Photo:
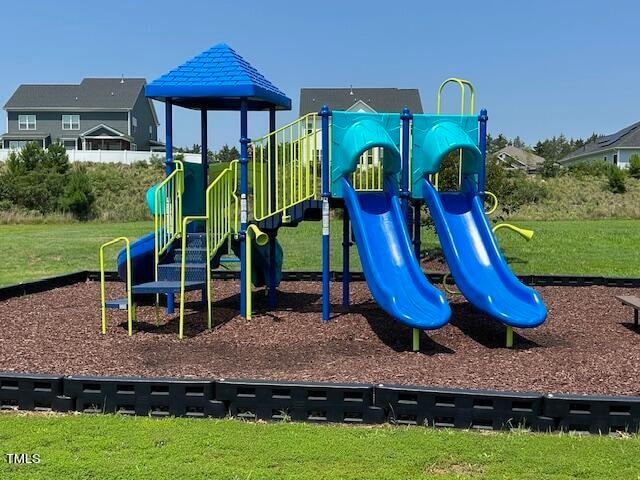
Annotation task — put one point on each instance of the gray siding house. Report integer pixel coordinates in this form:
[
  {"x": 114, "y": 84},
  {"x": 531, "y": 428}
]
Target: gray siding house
[
  {"x": 97, "y": 114},
  {"x": 616, "y": 148},
  {"x": 383, "y": 100}
]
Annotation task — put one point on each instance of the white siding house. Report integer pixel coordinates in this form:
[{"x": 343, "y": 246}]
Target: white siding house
[{"x": 616, "y": 148}]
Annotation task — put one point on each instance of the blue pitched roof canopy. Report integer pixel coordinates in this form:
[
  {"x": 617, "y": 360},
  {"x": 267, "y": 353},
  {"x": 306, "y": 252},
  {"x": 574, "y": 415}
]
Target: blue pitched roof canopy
[{"x": 218, "y": 79}]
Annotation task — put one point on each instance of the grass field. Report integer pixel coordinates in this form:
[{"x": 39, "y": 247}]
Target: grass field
[
  {"x": 585, "y": 247},
  {"x": 110, "y": 447}
]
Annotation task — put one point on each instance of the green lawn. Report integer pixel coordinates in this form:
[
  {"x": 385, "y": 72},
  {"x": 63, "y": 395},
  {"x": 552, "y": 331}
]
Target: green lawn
[
  {"x": 110, "y": 447},
  {"x": 585, "y": 247}
]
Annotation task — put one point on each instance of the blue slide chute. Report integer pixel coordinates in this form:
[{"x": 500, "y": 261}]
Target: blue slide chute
[
  {"x": 475, "y": 260},
  {"x": 392, "y": 271}
]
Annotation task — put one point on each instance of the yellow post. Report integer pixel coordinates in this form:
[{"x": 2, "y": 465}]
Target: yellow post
[
  {"x": 261, "y": 239},
  {"x": 130, "y": 306},
  {"x": 509, "y": 336},
  {"x": 416, "y": 340}
]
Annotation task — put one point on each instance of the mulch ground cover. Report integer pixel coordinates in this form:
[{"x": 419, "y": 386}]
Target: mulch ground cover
[{"x": 587, "y": 345}]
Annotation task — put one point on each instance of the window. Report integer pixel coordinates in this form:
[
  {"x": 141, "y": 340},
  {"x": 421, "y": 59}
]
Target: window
[
  {"x": 71, "y": 122},
  {"x": 150, "y": 131},
  {"x": 134, "y": 124},
  {"x": 17, "y": 144},
  {"x": 26, "y": 122},
  {"x": 615, "y": 159}
]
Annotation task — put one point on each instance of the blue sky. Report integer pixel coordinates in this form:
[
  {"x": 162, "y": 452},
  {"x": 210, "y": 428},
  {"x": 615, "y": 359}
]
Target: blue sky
[{"x": 541, "y": 68}]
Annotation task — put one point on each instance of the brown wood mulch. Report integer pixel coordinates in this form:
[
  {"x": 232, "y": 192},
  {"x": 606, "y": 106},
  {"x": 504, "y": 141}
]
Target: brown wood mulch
[{"x": 587, "y": 345}]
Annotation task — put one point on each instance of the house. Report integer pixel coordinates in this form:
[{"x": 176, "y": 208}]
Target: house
[
  {"x": 616, "y": 148},
  {"x": 390, "y": 100},
  {"x": 518, "y": 159},
  {"x": 97, "y": 114}
]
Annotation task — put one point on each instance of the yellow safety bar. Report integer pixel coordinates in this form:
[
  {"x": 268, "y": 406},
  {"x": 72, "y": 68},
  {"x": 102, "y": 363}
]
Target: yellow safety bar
[
  {"x": 284, "y": 167},
  {"x": 261, "y": 239},
  {"x": 168, "y": 210},
  {"x": 463, "y": 84},
  {"x": 494, "y": 207},
  {"x": 130, "y": 305},
  {"x": 221, "y": 221}
]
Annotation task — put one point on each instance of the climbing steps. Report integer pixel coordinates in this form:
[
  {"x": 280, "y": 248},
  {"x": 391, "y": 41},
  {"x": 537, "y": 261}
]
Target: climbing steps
[{"x": 169, "y": 270}]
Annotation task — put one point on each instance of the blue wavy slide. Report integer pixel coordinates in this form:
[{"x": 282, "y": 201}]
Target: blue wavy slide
[
  {"x": 475, "y": 260},
  {"x": 392, "y": 271}
]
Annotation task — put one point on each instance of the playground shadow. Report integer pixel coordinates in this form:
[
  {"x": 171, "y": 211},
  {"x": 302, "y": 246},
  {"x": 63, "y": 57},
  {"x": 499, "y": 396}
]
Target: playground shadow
[
  {"x": 286, "y": 302},
  {"x": 484, "y": 330},
  {"x": 631, "y": 327},
  {"x": 195, "y": 320},
  {"x": 395, "y": 336}
]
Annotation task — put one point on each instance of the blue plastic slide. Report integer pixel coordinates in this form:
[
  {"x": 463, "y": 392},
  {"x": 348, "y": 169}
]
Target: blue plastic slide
[
  {"x": 474, "y": 258},
  {"x": 393, "y": 274}
]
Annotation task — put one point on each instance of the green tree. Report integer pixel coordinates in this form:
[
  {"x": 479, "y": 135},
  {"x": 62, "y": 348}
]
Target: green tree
[
  {"x": 549, "y": 168},
  {"x": 227, "y": 154},
  {"x": 634, "y": 166}
]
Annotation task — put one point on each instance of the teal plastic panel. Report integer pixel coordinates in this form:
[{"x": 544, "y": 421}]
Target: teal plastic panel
[
  {"x": 434, "y": 137},
  {"x": 354, "y": 133}
]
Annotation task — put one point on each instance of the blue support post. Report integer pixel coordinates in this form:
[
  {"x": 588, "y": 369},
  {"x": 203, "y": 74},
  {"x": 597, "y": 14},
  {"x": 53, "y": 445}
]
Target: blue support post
[
  {"x": 168, "y": 137},
  {"x": 170, "y": 303},
  {"x": 204, "y": 147},
  {"x": 325, "y": 113},
  {"x": 204, "y": 154},
  {"x": 169, "y": 165},
  {"x": 272, "y": 200},
  {"x": 417, "y": 208},
  {"x": 346, "y": 243},
  {"x": 244, "y": 190},
  {"x": 405, "y": 117},
  {"x": 482, "y": 144}
]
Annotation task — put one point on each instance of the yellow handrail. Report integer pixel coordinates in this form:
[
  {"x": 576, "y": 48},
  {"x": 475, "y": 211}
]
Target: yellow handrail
[
  {"x": 284, "y": 167},
  {"x": 168, "y": 211},
  {"x": 462, "y": 83},
  {"x": 368, "y": 173},
  {"x": 221, "y": 221},
  {"x": 472, "y": 102},
  {"x": 261, "y": 239},
  {"x": 130, "y": 306}
]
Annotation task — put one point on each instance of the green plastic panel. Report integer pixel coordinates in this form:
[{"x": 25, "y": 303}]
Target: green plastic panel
[
  {"x": 353, "y": 133},
  {"x": 434, "y": 137}
]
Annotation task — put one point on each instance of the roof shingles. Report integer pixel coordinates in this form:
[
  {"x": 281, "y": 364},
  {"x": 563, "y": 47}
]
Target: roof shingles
[{"x": 102, "y": 93}]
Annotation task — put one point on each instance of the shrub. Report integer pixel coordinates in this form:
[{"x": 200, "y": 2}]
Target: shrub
[
  {"x": 634, "y": 166},
  {"x": 78, "y": 197},
  {"x": 615, "y": 181},
  {"x": 37, "y": 180},
  {"x": 593, "y": 168}
]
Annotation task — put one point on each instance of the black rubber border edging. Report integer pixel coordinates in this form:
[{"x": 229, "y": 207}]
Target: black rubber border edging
[{"x": 320, "y": 403}]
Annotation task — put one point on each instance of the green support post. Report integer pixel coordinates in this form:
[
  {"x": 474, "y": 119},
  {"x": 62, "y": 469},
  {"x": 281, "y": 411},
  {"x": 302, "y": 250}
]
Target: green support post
[
  {"x": 509, "y": 336},
  {"x": 416, "y": 340}
]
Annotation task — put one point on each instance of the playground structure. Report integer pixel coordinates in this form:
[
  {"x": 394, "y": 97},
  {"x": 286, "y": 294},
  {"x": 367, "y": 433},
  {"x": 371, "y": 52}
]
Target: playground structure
[{"x": 299, "y": 172}]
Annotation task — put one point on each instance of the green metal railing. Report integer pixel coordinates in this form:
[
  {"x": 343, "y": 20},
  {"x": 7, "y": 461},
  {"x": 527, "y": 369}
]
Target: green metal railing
[
  {"x": 130, "y": 304},
  {"x": 284, "y": 167},
  {"x": 221, "y": 222},
  {"x": 168, "y": 211}
]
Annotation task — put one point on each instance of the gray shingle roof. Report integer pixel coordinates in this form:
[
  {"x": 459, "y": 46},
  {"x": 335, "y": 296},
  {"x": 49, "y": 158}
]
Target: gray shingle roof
[
  {"x": 627, "y": 137},
  {"x": 527, "y": 159},
  {"x": 102, "y": 93},
  {"x": 380, "y": 99}
]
